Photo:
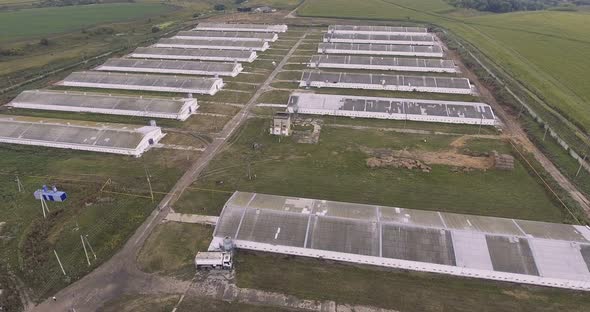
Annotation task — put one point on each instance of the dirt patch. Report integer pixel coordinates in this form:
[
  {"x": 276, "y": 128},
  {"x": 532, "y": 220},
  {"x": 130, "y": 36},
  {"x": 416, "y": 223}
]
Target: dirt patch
[
  {"x": 307, "y": 131},
  {"x": 422, "y": 159},
  {"x": 397, "y": 162}
]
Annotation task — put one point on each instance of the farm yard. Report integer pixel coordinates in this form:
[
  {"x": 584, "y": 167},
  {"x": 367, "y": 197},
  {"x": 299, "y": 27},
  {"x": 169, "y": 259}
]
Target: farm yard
[{"x": 217, "y": 142}]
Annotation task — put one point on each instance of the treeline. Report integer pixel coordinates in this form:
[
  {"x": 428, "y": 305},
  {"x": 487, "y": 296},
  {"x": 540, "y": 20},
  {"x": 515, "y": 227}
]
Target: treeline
[{"x": 503, "y": 6}]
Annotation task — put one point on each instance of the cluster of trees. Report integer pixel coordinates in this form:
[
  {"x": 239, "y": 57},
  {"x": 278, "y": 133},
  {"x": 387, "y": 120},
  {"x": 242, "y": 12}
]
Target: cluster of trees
[{"x": 503, "y": 6}]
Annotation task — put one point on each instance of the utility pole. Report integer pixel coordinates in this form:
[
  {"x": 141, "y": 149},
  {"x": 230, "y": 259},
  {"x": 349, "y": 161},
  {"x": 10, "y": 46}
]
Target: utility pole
[
  {"x": 44, "y": 207},
  {"x": 90, "y": 246},
  {"x": 580, "y": 168},
  {"x": 19, "y": 185},
  {"x": 85, "y": 252},
  {"x": 58, "y": 261},
  {"x": 147, "y": 175}
]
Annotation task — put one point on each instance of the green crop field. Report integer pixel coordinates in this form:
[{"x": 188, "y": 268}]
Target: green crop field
[
  {"x": 546, "y": 50},
  {"x": 34, "y": 23}
]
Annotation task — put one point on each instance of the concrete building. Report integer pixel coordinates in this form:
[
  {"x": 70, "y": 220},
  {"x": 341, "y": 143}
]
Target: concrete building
[
  {"x": 160, "y": 83},
  {"x": 242, "y": 27},
  {"x": 281, "y": 124},
  {"x": 227, "y": 35},
  {"x": 506, "y": 250},
  {"x": 194, "y": 54},
  {"x": 380, "y": 49},
  {"x": 449, "y": 85},
  {"x": 425, "y": 39},
  {"x": 471, "y": 113},
  {"x": 376, "y": 30},
  {"x": 212, "y": 44},
  {"x": 78, "y": 135},
  {"x": 99, "y": 103},
  {"x": 171, "y": 67},
  {"x": 383, "y": 63}
]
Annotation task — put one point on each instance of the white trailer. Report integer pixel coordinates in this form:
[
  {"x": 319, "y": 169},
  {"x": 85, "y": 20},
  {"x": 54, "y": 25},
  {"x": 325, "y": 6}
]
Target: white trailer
[{"x": 206, "y": 260}]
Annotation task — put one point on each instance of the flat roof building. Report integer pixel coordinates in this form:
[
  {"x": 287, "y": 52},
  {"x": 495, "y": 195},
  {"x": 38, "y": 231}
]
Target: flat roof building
[
  {"x": 241, "y": 27},
  {"x": 142, "y": 82},
  {"x": 227, "y": 35},
  {"x": 383, "y": 63},
  {"x": 194, "y": 54},
  {"x": 450, "y": 85},
  {"x": 380, "y": 49},
  {"x": 391, "y": 108},
  {"x": 100, "y": 103},
  {"x": 425, "y": 39},
  {"x": 509, "y": 250},
  {"x": 171, "y": 67},
  {"x": 212, "y": 44},
  {"x": 376, "y": 30},
  {"x": 78, "y": 135}
]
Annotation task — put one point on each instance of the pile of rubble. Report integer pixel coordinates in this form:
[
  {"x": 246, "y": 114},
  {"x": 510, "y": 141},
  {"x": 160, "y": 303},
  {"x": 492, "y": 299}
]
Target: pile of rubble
[
  {"x": 397, "y": 162},
  {"x": 503, "y": 161}
]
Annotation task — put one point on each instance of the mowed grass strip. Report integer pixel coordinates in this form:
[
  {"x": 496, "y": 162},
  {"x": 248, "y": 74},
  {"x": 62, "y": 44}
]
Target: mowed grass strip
[
  {"x": 39, "y": 22},
  {"x": 393, "y": 289}
]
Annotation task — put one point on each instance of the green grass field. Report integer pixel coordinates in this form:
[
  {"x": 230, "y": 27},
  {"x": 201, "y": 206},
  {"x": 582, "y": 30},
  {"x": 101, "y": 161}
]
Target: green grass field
[
  {"x": 399, "y": 290},
  {"x": 27, "y": 240},
  {"x": 47, "y": 21},
  {"x": 546, "y": 50},
  {"x": 292, "y": 169}
]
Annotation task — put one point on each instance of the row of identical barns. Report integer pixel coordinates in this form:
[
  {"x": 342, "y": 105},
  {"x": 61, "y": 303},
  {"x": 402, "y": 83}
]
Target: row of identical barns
[
  {"x": 376, "y": 59},
  {"x": 162, "y": 81}
]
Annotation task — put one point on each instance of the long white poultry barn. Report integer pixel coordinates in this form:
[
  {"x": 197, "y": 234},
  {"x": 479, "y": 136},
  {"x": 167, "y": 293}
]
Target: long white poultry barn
[
  {"x": 383, "y": 63},
  {"x": 242, "y": 27},
  {"x": 227, "y": 35},
  {"x": 499, "y": 249},
  {"x": 470, "y": 113},
  {"x": 101, "y": 137},
  {"x": 143, "y": 82},
  {"x": 425, "y": 39},
  {"x": 380, "y": 49},
  {"x": 171, "y": 67},
  {"x": 448, "y": 85},
  {"x": 100, "y": 103},
  {"x": 194, "y": 54},
  {"x": 212, "y": 44},
  {"x": 376, "y": 30}
]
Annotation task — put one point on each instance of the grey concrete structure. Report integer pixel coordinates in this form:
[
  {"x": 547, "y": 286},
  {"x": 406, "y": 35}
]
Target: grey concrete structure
[
  {"x": 430, "y": 241},
  {"x": 212, "y": 44},
  {"x": 425, "y": 39},
  {"x": 382, "y": 30},
  {"x": 78, "y": 135},
  {"x": 320, "y": 79},
  {"x": 101, "y": 103},
  {"x": 227, "y": 35},
  {"x": 380, "y": 49},
  {"x": 391, "y": 108},
  {"x": 160, "y": 83},
  {"x": 194, "y": 54},
  {"x": 241, "y": 27},
  {"x": 383, "y": 63},
  {"x": 171, "y": 67}
]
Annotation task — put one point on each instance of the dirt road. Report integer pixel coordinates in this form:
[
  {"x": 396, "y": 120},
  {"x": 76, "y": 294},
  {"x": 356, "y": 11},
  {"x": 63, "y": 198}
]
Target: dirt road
[{"x": 120, "y": 275}]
